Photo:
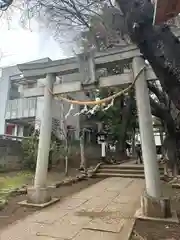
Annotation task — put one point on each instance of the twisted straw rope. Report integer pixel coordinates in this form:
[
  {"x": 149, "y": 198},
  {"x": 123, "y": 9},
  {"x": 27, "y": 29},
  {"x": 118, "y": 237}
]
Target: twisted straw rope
[{"x": 104, "y": 100}]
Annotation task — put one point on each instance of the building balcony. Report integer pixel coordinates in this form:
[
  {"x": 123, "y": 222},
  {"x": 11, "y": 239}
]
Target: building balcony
[{"x": 21, "y": 108}]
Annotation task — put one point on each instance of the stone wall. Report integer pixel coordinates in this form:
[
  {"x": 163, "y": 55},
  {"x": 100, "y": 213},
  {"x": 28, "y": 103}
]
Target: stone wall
[
  {"x": 92, "y": 154},
  {"x": 10, "y": 155}
]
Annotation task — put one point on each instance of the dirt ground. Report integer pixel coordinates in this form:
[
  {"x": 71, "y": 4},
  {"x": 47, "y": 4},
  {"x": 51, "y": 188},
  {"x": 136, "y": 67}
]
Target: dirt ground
[
  {"x": 13, "y": 212},
  {"x": 152, "y": 230}
]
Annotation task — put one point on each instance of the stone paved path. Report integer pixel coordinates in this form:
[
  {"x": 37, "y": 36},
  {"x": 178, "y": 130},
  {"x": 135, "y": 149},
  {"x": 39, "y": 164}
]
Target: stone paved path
[{"x": 103, "y": 211}]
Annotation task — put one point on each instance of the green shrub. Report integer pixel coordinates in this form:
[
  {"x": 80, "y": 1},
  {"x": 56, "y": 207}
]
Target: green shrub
[
  {"x": 30, "y": 150},
  {"x": 58, "y": 148}
]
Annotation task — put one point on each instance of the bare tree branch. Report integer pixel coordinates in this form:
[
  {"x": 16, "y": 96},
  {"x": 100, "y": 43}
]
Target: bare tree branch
[
  {"x": 159, "y": 111},
  {"x": 159, "y": 94},
  {"x": 69, "y": 18},
  {"x": 4, "y": 4}
]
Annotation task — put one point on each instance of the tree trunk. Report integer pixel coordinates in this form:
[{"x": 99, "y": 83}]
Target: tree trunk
[
  {"x": 169, "y": 146},
  {"x": 157, "y": 43},
  {"x": 66, "y": 152},
  {"x": 66, "y": 157},
  {"x": 66, "y": 165},
  {"x": 83, "y": 159},
  {"x": 169, "y": 149},
  {"x": 161, "y": 135},
  {"x": 126, "y": 117}
]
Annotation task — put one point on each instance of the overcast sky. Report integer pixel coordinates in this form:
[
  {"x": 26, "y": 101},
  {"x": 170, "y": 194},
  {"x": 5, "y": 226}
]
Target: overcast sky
[{"x": 18, "y": 44}]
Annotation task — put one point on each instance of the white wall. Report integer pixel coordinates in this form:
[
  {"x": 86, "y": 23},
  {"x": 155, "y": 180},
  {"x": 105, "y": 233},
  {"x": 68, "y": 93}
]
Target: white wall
[
  {"x": 156, "y": 138},
  {"x": 4, "y": 93}
]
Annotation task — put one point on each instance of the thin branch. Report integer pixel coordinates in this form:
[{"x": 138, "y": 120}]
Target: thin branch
[
  {"x": 162, "y": 113},
  {"x": 76, "y": 16},
  {"x": 4, "y": 4},
  {"x": 159, "y": 94}
]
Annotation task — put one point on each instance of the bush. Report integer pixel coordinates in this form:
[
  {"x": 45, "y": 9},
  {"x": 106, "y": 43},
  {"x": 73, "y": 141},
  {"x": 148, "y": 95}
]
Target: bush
[
  {"x": 58, "y": 150},
  {"x": 30, "y": 150}
]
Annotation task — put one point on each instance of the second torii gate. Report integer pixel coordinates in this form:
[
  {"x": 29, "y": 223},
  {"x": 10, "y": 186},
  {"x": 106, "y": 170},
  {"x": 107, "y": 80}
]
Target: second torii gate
[{"x": 153, "y": 205}]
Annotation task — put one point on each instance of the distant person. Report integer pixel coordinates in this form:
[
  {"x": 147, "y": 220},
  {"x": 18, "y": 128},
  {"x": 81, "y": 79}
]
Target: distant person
[
  {"x": 138, "y": 153},
  {"x": 128, "y": 149},
  {"x": 112, "y": 149},
  {"x": 50, "y": 160}
]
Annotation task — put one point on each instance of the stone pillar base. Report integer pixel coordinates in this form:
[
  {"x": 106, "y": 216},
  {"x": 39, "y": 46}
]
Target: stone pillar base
[
  {"x": 156, "y": 207},
  {"x": 38, "y": 195}
]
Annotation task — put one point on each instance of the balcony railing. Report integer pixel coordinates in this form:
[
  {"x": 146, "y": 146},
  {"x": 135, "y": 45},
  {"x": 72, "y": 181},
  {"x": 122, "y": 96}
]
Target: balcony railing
[{"x": 21, "y": 108}]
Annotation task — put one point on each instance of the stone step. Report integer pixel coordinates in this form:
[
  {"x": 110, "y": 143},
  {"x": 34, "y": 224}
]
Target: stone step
[
  {"x": 122, "y": 166},
  {"x": 105, "y": 175},
  {"x": 124, "y": 171}
]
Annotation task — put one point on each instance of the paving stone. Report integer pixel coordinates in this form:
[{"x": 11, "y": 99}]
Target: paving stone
[
  {"x": 48, "y": 217},
  {"x": 96, "y": 235},
  {"x": 94, "y": 204},
  {"x": 61, "y": 231},
  {"x": 66, "y": 228},
  {"x": 118, "y": 186},
  {"x": 123, "y": 199},
  {"x": 134, "y": 189},
  {"x": 107, "y": 206},
  {"x": 121, "y": 212},
  {"x": 75, "y": 220},
  {"x": 82, "y": 195},
  {"x": 107, "y": 223},
  {"x": 90, "y": 193},
  {"x": 43, "y": 238},
  {"x": 71, "y": 203},
  {"x": 114, "y": 206},
  {"x": 21, "y": 231}
]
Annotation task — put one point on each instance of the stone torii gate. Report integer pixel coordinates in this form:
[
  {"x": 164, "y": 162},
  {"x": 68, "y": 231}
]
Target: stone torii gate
[{"x": 153, "y": 205}]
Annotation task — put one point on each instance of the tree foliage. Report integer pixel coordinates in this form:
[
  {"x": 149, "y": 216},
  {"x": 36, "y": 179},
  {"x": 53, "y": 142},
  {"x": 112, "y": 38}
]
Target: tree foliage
[
  {"x": 163, "y": 108},
  {"x": 120, "y": 119},
  {"x": 5, "y": 4},
  {"x": 107, "y": 30},
  {"x": 77, "y": 20},
  {"x": 30, "y": 150},
  {"x": 65, "y": 16},
  {"x": 157, "y": 43}
]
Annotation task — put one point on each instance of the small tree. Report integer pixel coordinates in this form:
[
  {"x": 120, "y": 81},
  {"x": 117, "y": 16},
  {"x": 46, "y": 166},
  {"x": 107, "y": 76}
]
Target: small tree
[
  {"x": 62, "y": 131},
  {"x": 30, "y": 150},
  {"x": 83, "y": 158}
]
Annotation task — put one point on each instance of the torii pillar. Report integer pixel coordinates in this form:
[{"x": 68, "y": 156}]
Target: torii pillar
[
  {"x": 152, "y": 202},
  {"x": 39, "y": 193}
]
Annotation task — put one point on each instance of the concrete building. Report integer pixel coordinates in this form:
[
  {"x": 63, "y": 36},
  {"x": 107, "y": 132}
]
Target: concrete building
[{"x": 17, "y": 114}]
